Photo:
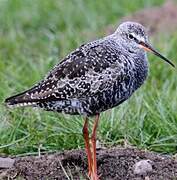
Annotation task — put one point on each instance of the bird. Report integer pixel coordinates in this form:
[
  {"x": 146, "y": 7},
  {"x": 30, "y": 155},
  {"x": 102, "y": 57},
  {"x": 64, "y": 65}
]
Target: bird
[{"x": 93, "y": 78}]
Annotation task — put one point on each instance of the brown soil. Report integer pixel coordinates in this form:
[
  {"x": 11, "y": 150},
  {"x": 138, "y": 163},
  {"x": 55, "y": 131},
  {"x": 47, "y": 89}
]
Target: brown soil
[{"x": 115, "y": 163}]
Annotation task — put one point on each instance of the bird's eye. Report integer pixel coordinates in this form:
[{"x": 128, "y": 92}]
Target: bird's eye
[{"x": 130, "y": 36}]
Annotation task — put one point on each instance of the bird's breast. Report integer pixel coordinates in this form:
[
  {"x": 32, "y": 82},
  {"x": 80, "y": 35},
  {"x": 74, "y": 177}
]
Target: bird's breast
[{"x": 124, "y": 80}]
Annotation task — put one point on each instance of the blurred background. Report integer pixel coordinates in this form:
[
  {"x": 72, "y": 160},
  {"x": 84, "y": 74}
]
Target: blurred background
[{"x": 35, "y": 35}]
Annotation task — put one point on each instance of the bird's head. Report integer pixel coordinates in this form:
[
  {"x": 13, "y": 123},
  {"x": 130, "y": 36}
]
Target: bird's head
[{"x": 134, "y": 38}]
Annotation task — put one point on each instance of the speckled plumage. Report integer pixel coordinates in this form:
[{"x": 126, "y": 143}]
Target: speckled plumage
[{"x": 95, "y": 77}]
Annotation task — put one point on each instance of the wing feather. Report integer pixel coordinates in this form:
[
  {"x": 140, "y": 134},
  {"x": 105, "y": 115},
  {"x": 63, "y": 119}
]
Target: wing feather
[{"x": 87, "y": 70}]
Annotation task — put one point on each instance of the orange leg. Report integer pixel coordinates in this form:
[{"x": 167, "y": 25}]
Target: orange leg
[
  {"x": 87, "y": 146},
  {"x": 93, "y": 143}
]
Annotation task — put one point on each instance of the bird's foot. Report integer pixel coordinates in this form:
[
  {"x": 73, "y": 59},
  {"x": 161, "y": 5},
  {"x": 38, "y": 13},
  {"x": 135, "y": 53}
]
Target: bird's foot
[{"x": 94, "y": 176}]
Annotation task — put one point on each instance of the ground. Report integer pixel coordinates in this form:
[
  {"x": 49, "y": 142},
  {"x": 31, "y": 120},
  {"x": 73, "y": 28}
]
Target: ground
[{"x": 115, "y": 163}]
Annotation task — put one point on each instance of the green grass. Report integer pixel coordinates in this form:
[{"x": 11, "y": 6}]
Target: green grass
[{"x": 35, "y": 35}]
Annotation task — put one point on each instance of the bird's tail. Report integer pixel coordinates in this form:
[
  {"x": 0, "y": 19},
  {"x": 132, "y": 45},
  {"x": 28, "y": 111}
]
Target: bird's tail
[{"x": 22, "y": 99}]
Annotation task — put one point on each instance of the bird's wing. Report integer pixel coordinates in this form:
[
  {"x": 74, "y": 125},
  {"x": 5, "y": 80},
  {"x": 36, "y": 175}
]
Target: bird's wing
[{"x": 84, "y": 72}]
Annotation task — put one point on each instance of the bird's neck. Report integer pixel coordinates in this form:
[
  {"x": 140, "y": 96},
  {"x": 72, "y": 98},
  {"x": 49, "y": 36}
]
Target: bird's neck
[
  {"x": 138, "y": 58},
  {"x": 141, "y": 68}
]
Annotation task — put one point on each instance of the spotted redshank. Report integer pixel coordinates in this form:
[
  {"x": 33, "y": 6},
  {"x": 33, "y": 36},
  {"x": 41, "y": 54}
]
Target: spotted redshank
[{"x": 97, "y": 76}]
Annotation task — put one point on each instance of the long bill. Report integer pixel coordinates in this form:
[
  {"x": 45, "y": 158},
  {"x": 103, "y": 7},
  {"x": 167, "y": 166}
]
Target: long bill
[{"x": 149, "y": 48}]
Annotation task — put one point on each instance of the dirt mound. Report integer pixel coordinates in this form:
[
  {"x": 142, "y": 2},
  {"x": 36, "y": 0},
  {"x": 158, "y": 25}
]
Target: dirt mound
[
  {"x": 157, "y": 19},
  {"x": 115, "y": 163}
]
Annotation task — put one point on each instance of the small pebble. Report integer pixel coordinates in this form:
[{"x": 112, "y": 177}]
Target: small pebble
[
  {"x": 6, "y": 162},
  {"x": 143, "y": 167}
]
